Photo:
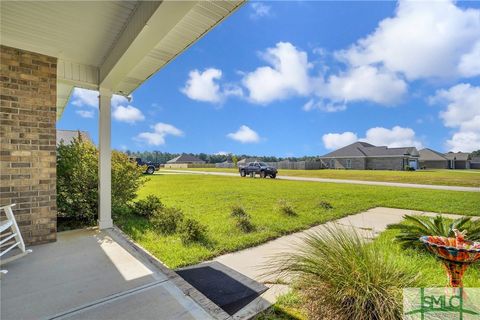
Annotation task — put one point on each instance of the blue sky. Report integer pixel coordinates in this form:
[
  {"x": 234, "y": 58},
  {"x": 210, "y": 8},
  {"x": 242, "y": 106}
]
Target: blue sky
[{"x": 302, "y": 78}]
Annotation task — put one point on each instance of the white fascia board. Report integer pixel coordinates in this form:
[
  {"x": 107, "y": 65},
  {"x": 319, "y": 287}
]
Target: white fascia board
[{"x": 148, "y": 25}]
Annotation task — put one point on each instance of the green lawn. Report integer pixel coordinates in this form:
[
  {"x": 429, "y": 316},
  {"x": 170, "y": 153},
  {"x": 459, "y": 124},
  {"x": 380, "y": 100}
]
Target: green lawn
[
  {"x": 467, "y": 178},
  {"x": 209, "y": 200}
]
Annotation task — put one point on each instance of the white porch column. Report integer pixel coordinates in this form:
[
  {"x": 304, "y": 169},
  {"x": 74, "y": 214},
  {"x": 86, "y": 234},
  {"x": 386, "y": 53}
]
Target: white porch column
[{"x": 104, "y": 163}]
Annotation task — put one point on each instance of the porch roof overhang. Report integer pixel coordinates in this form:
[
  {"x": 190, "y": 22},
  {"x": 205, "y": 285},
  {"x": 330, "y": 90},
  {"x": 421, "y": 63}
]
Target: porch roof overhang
[{"x": 109, "y": 44}]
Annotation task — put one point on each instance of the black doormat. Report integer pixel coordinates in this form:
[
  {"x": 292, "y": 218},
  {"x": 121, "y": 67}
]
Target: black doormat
[{"x": 227, "y": 288}]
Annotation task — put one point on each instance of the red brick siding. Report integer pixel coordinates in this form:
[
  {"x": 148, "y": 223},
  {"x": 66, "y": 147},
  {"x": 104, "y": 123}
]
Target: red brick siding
[{"x": 28, "y": 141}]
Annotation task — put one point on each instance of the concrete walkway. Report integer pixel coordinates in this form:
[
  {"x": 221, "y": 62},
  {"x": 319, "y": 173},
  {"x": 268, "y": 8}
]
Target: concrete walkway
[
  {"x": 254, "y": 262},
  {"x": 363, "y": 182}
]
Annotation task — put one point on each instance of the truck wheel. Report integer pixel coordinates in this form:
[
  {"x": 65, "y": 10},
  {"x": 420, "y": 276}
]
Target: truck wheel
[
  {"x": 243, "y": 173},
  {"x": 263, "y": 174},
  {"x": 273, "y": 176},
  {"x": 150, "y": 170}
]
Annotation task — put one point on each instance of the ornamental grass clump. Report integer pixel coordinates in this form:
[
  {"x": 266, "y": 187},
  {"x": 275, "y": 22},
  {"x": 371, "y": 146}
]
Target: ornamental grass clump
[
  {"x": 286, "y": 208},
  {"x": 344, "y": 277},
  {"x": 238, "y": 212}
]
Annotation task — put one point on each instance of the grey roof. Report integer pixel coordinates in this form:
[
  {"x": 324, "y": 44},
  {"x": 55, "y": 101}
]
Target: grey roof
[
  {"x": 67, "y": 136},
  {"x": 476, "y": 159},
  {"x": 185, "y": 158},
  {"x": 462, "y": 156},
  {"x": 431, "y": 155},
  {"x": 361, "y": 149}
]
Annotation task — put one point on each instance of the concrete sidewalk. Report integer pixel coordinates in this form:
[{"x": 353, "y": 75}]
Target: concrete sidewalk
[{"x": 362, "y": 182}]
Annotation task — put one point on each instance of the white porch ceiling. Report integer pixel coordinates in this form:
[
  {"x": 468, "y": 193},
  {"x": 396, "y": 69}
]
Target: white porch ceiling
[{"x": 113, "y": 44}]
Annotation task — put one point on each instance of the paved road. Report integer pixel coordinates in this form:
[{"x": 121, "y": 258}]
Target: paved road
[{"x": 371, "y": 183}]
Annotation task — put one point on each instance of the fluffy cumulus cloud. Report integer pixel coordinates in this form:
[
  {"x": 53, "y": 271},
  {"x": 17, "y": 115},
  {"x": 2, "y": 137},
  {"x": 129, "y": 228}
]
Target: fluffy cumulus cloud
[
  {"x": 160, "y": 132},
  {"x": 244, "y": 135},
  {"x": 259, "y": 10},
  {"x": 285, "y": 76},
  {"x": 84, "y": 97},
  {"x": 127, "y": 114},
  {"x": 462, "y": 113},
  {"x": 333, "y": 141},
  {"x": 85, "y": 113},
  {"x": 366, "y": 83},
  {"x": 423, "y": 40},
  {"x": 204, "y": 86},
  {"x": 392, "y": 138},
  {"x": 121, "y": 110}
]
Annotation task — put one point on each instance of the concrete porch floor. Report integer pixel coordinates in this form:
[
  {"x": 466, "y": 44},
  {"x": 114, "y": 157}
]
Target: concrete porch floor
[{"x": 87, "y": 274}]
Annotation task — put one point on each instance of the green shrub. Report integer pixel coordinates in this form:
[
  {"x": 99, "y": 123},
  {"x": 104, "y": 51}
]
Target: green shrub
[
  {"x": 347, "y": 278},
  {"x": 167, "y": 220},
  {"x": 286, "y": 208},
  {"x": 192, "y": 231},
  {"x": 238, "y": 212},
  {"x": 325, "y": 205},
  {"x": 244, "y": 224},
  {"x": 77, "y": 181},
  {"x": 415, "y": 226},
  {"x": 149, "y": 206}
]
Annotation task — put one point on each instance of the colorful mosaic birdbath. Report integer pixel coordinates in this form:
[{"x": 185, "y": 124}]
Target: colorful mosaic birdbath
[{"x": 455, "y": 253}]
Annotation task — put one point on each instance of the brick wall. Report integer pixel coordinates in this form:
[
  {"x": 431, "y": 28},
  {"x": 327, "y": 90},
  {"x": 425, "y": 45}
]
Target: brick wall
[{"x": 28, "y": 141}]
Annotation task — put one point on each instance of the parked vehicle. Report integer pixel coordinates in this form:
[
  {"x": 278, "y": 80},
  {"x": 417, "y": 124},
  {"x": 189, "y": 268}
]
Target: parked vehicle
[
  {"x": 260, "y": 168},
  {"x": 151, "y": 167}
]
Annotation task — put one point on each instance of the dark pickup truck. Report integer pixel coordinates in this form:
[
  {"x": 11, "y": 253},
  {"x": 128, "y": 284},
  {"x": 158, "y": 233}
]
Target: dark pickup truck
[
  {"x": 261, "y": 168},
  {"x": 151, "y": 167}
]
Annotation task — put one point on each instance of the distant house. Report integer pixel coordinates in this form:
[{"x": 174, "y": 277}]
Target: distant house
[
  {"x": 245, "y": 161},
  {"x": 67, "y": 136},
  {"x": 458, "y": 160},
  {"x": 475, "y": 163},
  {"x": 365, "y": 156},
  {"x": 186, "y": 159},
  {"x": 431, "y": 159}
]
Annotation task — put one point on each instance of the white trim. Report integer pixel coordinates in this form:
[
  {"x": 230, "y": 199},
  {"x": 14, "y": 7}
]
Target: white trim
[{"x": 104, "y": 160}]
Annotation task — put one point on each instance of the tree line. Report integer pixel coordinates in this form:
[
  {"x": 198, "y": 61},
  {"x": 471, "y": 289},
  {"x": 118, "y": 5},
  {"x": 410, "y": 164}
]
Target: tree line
[{"x": 163, "y": 157}]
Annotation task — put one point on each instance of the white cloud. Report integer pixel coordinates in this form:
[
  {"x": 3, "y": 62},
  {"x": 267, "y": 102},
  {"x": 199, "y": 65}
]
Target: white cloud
[
  {"x": 463, "y": 114},
  {"x": 83, "y": 97},
  {"x": 160, "y": 131},
  {"x": 222, "y": 153},
  {"x": 470, "y": 62},
  {"x": 259, "y": 10},
  {"x": 85, "y": 113},
  {"x": 392, "y": 138},
  {"x": 324, "y": 105},
  {"x": 244, "y": 135},
  {"x": 333, "y": 141},
  {"x": 127, "y": 114},
  {"x": 366, "y": 83},
  {"x": 424, "y": 39},
  {"x": 286, "y": 76},
  {"x": 202, "y": 86}
]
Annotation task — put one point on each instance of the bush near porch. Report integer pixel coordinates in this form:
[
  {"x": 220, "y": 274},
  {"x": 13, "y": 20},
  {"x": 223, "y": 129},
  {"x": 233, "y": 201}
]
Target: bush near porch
[
  {"x": 210, "y": 199},
  {"x": 77, "y": 183}
]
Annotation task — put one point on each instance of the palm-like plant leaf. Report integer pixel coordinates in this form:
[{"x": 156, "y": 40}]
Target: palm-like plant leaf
[{"x": 416, "y": 226}]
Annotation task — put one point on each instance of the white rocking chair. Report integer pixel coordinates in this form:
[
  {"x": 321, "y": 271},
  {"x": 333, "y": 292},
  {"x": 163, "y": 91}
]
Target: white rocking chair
[{"x": 10, "y": 239}]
